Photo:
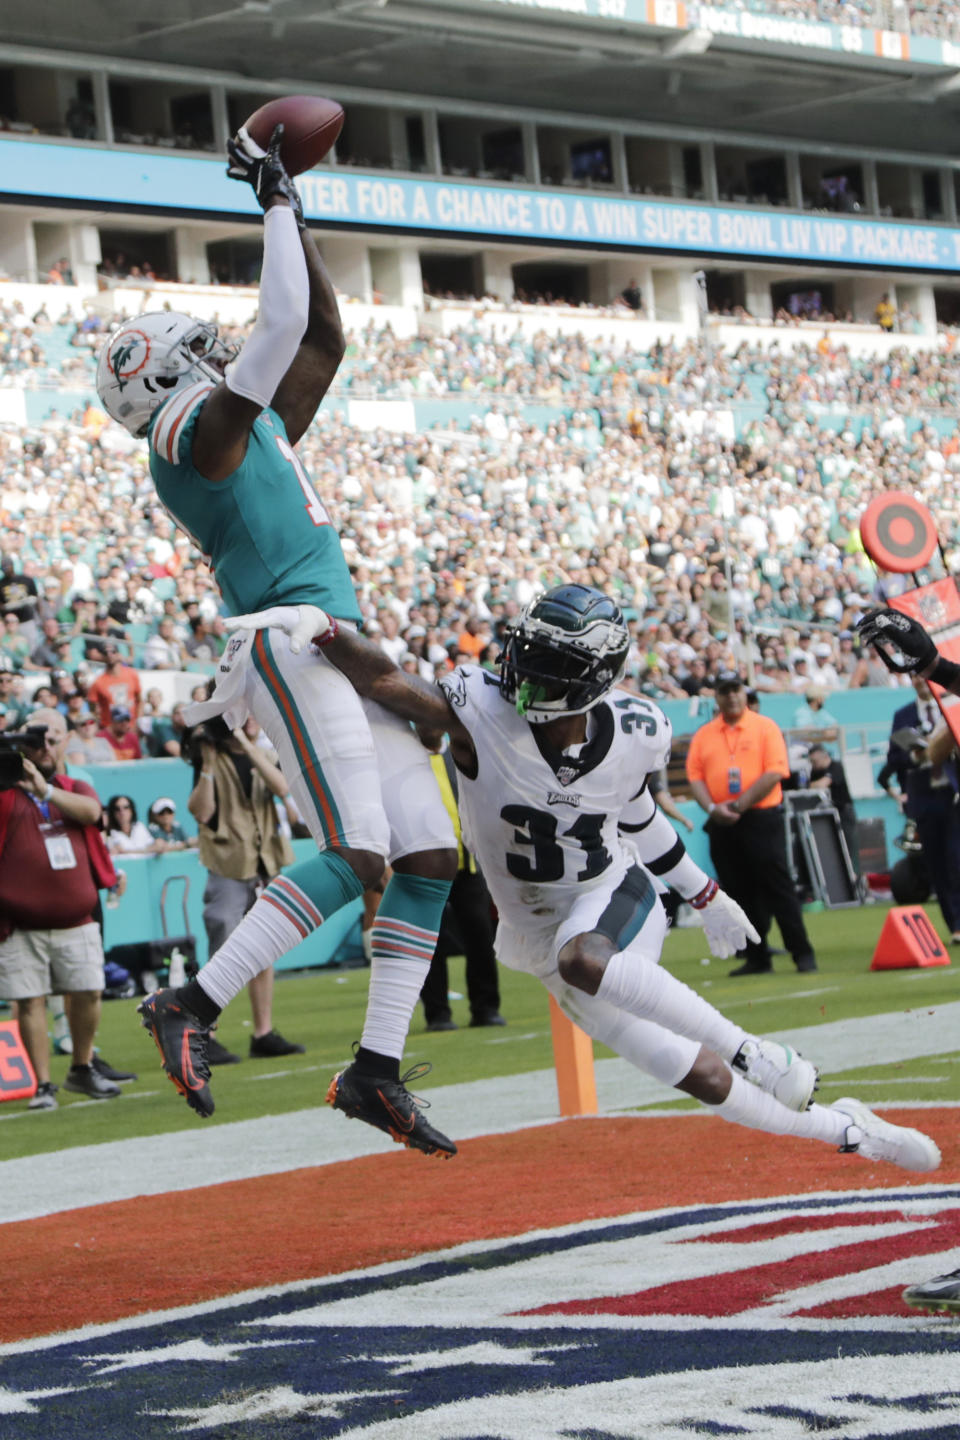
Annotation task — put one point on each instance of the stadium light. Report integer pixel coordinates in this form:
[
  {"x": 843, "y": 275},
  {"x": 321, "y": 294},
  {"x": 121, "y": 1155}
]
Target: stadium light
[
  {"x": 691, "y": 42},
  {"x": 948, "y": 86}
]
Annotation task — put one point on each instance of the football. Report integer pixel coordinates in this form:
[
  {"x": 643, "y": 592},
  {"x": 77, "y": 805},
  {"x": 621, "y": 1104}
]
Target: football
[{"x": 310, "y": 128}]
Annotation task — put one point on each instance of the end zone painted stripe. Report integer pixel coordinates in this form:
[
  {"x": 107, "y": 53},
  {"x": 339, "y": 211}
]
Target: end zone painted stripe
[{"x": 102, "y": 1263}]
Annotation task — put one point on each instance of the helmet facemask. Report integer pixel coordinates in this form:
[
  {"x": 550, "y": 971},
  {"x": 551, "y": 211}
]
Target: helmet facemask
[{"x": 546, "y": 672}]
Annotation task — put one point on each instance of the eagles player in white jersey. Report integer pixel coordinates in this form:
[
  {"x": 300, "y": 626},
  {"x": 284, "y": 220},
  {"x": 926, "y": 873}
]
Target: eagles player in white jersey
[{"x": 553, "y": 761}]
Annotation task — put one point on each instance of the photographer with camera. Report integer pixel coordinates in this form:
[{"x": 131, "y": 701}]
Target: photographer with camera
[
  {"x": 242, "y": 849},
  {"x": 52, "y": 863}
]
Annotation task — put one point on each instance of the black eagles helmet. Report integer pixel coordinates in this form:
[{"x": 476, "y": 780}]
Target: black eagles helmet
[{"x": 567, "y": 650}]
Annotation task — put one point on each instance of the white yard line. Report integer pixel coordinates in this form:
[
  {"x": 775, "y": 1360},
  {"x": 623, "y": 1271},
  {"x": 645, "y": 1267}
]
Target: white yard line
[{"x": 199, "y": 1156}]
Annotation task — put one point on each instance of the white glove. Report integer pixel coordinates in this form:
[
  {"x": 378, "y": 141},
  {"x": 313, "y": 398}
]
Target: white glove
[
  {"x": 725, "y": 924},
  {"x": 302, "y": 623}
]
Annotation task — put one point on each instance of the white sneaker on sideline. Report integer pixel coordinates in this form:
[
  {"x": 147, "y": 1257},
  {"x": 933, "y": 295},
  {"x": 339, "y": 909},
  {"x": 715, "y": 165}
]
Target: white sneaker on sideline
[
  {"x": 877, "y": 1139},
  {"x": 44, "y": 1097},
  {"x": 779, "y": 1070}
]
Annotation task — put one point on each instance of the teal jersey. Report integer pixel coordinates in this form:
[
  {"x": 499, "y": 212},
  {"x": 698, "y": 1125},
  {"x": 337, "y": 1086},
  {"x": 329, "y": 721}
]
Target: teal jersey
[{"x": 264, "y": 531}]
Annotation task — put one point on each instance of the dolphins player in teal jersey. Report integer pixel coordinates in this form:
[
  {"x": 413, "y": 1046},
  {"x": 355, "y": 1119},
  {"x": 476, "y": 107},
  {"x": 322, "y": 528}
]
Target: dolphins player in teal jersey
[{"x": 221, "y": 428}]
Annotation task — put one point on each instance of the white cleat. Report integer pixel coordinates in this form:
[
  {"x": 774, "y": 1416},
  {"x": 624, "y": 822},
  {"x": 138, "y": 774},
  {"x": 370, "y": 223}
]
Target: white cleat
[
  {"x": 877, "y": 1139},
  {"x": 779, "y": 1070},
  {"x": 941, "y": 1295}
]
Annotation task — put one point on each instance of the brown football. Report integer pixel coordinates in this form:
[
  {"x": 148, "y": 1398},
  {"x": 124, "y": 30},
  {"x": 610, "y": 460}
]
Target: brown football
[{"x": 310, "y": 128}]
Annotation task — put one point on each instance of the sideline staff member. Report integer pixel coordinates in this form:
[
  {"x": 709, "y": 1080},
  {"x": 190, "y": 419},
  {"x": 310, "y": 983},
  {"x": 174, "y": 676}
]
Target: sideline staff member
[
  {"x": 735, "y": 765},
  {"x": 242, "y": 850},
  {"x": 467, "y": 925}
]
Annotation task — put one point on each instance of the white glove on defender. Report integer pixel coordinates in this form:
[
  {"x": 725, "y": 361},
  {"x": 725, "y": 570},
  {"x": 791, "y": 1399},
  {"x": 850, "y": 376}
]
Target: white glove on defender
[
  {"x": 303, "y": 623},
  {"x": 725, "y": 924}
]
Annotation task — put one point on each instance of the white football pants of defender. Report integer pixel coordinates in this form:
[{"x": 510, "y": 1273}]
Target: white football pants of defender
[
  {"x": 359, "y": 775},
  {"x": 667, "y": 1047},
  {"x": 662, "y": 1053}
]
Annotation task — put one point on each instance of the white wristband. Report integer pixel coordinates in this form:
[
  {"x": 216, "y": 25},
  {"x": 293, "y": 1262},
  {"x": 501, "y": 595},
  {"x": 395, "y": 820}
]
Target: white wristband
[{"x": 711, "y": 807}]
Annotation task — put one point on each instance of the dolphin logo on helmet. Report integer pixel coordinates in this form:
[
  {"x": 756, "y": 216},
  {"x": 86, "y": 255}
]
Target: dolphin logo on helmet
[{"x": 119, "y": 356}]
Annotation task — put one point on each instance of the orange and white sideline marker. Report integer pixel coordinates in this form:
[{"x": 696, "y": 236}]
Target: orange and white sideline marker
[
  {"x": 17, "y": 1080},
  {"x": 573, "y": 1057},
  {"x": 908, "y": 939}
]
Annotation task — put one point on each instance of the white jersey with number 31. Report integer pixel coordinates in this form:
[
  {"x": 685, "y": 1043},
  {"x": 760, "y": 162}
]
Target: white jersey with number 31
[{"x": 543, "y": 823}]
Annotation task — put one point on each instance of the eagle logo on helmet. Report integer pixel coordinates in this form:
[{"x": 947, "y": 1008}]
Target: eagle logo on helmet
[
  {"x": 567, "y": 650},
  {"x": 121, "y": 354}
]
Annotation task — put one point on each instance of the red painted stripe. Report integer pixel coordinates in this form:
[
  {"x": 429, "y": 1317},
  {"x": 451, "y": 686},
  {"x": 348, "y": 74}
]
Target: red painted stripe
[
  {"x": 757, "y": 1285},
  {"x": 296, "y": 734},
  {"x": 797, "y": 1225}
]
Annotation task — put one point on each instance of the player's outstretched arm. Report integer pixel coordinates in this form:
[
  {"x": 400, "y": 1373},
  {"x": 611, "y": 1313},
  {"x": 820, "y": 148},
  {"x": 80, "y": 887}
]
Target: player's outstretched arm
[
  {"x": 250, "y": 383},
  {"x": 906, "y": 649},
  {"x": 371, "y": 672},
  {"x": 374, "y": 676},
  {"x": 318, "y": 357}
]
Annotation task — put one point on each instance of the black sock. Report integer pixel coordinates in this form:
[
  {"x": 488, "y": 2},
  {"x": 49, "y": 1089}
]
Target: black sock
[
  {"x": 198, "y": 1002},
  {"x": 368, "y": 1062}
]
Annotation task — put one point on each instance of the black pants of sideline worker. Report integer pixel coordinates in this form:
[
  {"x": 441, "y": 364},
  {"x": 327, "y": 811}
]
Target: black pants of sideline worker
[
  {"x": 750, "y": 859},
  {"x": 467, "y": 929},
  {"x": 938, "y": 827}
]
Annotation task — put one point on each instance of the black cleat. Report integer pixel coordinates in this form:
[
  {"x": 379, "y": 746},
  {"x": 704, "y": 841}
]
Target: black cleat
[
  {"x": 389, "y": 1106},
  {"x": 218, "y": 1054},
  {"x": 941, "y": 1294},
  {"x": 104, "y": 1068},
  {"x": 272, "y": 1045},
  {"x": 182, "y": 1041}
]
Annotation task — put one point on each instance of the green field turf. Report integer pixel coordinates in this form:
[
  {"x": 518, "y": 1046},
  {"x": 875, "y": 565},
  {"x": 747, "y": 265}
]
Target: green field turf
[{"x": 324, "y": 1009}]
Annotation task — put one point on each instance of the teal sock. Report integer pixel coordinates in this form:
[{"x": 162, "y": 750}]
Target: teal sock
[
  {"x": 404, "y": 939},
  {"x": 325, "y": 880}
]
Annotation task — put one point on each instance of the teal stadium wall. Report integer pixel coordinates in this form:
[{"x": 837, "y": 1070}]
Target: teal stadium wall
[{"x": 138, "y": 915}]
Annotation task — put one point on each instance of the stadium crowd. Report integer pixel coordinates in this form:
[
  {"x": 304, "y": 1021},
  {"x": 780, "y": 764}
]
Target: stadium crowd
[{"x": 702, "y": 489}]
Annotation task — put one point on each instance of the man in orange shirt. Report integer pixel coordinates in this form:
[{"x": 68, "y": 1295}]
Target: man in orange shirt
[
  {"x": 118, "y": 685},
  {"x": 735, "y": 765},
  {"x": 474, "y": 637}
]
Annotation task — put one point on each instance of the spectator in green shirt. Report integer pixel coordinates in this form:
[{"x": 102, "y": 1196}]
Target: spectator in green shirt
[
  {"x": 12, "y": 712},
  {"x": 166, "y": 733},
  {"x": 164, "y": 828},
  {"x": 12, "y": 643}
]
